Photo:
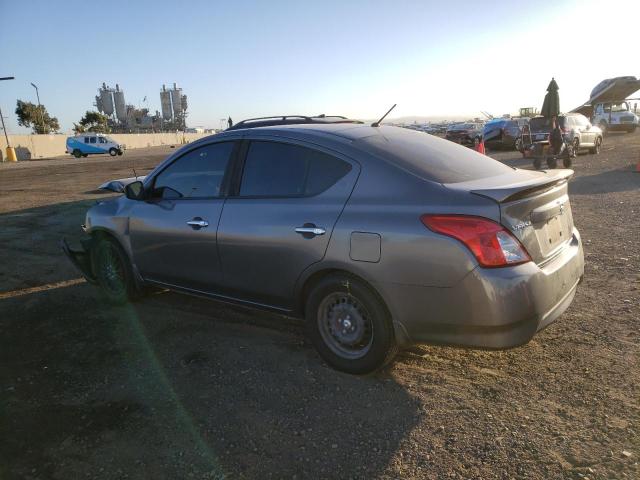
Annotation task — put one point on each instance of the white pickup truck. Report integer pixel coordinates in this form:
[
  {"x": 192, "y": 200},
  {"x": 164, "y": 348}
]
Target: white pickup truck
[{"x": 608, "y": 106}]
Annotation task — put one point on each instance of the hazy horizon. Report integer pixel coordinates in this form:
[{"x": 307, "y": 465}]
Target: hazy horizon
[{"x": 250, "y": 59}]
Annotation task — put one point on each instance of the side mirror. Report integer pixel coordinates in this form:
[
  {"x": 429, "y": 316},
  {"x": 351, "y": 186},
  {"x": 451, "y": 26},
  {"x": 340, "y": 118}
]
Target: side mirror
[{"x": 134, "y": 191}]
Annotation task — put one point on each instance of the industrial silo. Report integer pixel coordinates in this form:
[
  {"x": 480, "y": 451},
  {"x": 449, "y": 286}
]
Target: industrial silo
[
  {"x": 106, "y": 100},
  {"x": 121, "y": 109},
  {"x": 176, "y": 100},
  {"x": 165, "y": 104}
]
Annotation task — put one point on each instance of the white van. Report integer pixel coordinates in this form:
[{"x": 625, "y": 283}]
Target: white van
[{"x": 90, "y": 143}]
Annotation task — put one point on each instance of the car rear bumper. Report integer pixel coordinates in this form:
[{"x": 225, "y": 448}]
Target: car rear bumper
[{"x": 489, "y": 308}]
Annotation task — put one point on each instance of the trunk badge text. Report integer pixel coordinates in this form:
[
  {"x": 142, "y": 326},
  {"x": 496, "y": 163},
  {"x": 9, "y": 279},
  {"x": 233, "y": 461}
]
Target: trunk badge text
[{"x": 522, "y": 225}]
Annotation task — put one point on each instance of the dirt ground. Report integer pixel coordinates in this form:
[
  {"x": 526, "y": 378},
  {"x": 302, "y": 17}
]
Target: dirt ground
[{"x": 178, "y": 387}]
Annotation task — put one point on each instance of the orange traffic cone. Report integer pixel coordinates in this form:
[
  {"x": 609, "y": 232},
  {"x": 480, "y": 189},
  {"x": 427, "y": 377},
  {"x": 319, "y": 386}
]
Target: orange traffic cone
[{"x": 480, "y": 147}]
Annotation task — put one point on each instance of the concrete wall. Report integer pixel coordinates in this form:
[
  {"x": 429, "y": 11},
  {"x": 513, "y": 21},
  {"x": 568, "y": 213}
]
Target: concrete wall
[{"x": 44, "y": 146}]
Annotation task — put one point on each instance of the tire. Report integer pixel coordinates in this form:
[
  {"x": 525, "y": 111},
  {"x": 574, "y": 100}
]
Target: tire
[
  {"x": 517, "y": 144},
  {"x": 575, "y": 148},
  {"x": 120, "y": 152},
  {"x": 113, "y": 152},
  {"x": 112, "y": 270},
  {"x": 76, "y": 153},
  {"x": 537, "y": 163},
  {"x": 566, "y": 162},
  {"x": 603, "y": 127},
  {"x": 552, "y": 162},
  {"x": 597, "y": 147},
  {"x": 85, "y": 155},
  {"x": 349, "y": 325}
]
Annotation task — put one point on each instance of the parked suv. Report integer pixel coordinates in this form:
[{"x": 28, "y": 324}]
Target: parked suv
[
  {"x": 379, "y": 237},
  {"x": 577, "y": 130},
  {"x": 503, "y": 133}
]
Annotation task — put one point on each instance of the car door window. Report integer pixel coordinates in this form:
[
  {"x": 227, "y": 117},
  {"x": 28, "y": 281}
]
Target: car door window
[
  {"x": 274, "y": 169},
  {"x": 196, "y": 174},
  {"x": 102, "y": 140},
  {"x": 92, "y": 139}
]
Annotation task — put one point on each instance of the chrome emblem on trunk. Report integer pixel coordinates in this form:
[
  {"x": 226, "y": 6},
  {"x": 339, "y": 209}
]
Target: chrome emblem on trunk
[{"x": 522, "y": 225}]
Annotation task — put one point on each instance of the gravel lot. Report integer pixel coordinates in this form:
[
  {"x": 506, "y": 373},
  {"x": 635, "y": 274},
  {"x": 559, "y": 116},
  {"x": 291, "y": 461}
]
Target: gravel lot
[{"x": 178, "y": 387}]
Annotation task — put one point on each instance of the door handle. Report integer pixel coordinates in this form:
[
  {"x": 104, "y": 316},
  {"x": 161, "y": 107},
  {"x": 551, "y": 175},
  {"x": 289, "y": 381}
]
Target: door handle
[
  {"x": 310, "y": 231},
  {"x": 198, "y": 223}
]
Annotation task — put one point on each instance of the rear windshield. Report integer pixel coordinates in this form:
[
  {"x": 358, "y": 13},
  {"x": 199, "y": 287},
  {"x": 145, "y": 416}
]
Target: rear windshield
[
  {"x": 540, "y": 124},
  {"x": 430, "y": 157}
]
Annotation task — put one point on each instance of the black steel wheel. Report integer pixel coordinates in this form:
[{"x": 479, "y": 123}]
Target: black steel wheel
[
  {"x": 113, "y": 152},
  {"x": 112, "y": 270},
  {"x": 349, "y": 325}
]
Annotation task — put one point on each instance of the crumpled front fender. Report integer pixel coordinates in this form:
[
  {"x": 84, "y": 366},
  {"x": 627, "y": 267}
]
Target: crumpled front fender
[{"x": 81, "y": 258}]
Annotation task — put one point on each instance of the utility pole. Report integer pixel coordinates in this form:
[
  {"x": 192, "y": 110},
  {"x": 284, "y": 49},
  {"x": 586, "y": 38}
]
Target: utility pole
[
  {"x": 39, "y": 107},
  {"x": 11, "y": 153}
]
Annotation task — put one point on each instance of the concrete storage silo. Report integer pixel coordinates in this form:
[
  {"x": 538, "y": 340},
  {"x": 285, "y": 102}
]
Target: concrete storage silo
[
  {"x": 165, "y": 104},
  {"x": 106, "y": 100},
  {"x": 121, "y": 109},
  {"x": 176, "y": 100}
]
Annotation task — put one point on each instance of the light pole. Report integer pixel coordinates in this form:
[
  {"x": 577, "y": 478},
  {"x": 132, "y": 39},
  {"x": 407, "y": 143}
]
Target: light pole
[
  {"x": 39, "y": 107},
  {"x": 11, "y": 153}
]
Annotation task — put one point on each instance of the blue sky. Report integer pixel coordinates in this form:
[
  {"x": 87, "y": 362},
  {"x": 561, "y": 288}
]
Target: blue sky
[{"x": 356, "y": 58}]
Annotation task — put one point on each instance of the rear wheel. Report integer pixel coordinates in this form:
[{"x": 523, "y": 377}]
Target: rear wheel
[
  {"x": 112, "y": 269},
  {"x": 597, "y": 146},
  {"x": 113, "y": 152},
  {"x": 552, "y": 162},
  {"x": 566, "y": 161},
  {"x": 77, "y": 153},
  {"x": 349, "y": 325},
  {"x": 575, "y": 147},
  {"x": 537, "y": 163}
]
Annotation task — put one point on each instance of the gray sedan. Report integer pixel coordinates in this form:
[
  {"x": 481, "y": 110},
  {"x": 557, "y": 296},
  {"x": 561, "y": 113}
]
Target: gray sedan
[{"x": 379, "y": 237}]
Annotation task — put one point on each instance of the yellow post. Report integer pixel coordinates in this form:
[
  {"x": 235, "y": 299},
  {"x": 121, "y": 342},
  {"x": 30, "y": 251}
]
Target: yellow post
[{"x": 11, "y": 154}]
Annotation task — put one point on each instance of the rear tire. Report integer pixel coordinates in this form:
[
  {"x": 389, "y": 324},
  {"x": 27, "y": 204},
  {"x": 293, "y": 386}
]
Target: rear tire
[
  {"x": 349, "y": 325},
  {"x": 597, "y": 146},
  {"x": 537, "y": 163},
  {"x": 566, "y": 161},
  {"x": 112, "y": 270},
  {"x": 113, "y": 152},
  {"x": 76, "y": 153},
  {"x": 552, "y": 162}
]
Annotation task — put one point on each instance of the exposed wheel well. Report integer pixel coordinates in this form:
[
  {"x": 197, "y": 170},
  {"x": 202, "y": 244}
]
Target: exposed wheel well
[{"x": 317, "y": 276}]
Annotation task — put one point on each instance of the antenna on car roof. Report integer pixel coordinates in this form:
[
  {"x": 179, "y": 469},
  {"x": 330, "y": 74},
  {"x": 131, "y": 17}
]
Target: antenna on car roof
[{"x": 377, "y": 124}]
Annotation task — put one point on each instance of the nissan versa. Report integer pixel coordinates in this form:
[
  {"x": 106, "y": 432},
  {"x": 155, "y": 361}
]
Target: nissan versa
[{"x": 378, "y": 236}]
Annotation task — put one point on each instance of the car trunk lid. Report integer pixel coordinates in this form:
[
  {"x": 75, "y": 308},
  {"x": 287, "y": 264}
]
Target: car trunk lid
[{"x": 534, "y": 206}]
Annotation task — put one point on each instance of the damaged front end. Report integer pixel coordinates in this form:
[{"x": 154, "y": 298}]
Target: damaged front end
[{"x": 81, "y": 258}]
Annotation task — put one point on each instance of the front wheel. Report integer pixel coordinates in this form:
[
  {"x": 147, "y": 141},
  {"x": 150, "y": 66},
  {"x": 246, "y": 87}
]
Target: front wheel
[
  {"x": 597, "y": 146},
  {"x": 552, "y": 162},
  {"x": 77, "y": 153},
  {"x": 112, "y": 270},
  {"x": 113, "y": 152},
  {"x": 349, "y": 325}
]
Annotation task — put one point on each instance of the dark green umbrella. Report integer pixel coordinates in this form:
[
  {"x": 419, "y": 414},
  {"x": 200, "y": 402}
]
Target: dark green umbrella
[{"x": 551, "y": 104}]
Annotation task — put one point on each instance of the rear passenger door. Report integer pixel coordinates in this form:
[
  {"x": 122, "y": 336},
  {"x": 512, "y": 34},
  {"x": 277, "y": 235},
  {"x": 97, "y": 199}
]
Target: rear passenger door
[{"x": 280, "y": 218}]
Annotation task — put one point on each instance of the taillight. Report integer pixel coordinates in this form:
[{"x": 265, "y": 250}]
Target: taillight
[{"x": 491, "y": 244}]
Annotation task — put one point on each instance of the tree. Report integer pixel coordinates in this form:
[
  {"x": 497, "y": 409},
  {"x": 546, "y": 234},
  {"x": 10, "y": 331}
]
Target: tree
[
  {"x": 36, "y": 117},
  {"x": 92, "y": 122}
]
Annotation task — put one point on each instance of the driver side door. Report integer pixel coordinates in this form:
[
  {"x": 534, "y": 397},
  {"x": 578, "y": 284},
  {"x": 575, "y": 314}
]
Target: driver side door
[{"x": 174, "y": 232}]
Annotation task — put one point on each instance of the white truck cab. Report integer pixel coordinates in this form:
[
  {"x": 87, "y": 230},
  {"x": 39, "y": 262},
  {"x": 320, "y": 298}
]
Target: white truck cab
[
  {"x": 615, "y": 116},
  {"x": 84, "y": 144}
]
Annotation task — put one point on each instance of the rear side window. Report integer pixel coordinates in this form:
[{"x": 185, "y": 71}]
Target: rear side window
[
  {"x": 92, "y": 139},
  {"x": 274, "y": 169},
  {"x": 431, "y": 158},
  {"x": 197, "y": 174}
]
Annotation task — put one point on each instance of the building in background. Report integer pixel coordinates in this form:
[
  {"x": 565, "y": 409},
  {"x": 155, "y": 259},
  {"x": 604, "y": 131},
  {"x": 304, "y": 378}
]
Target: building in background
[{"x": 127, "y": 118}]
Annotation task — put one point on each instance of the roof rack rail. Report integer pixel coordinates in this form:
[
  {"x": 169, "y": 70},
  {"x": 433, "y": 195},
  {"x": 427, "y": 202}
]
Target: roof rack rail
[{"x": 290, "y": 120}]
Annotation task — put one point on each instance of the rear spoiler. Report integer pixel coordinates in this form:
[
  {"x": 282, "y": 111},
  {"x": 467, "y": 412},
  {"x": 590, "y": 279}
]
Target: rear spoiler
[{"x": 509, "y": 187}]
